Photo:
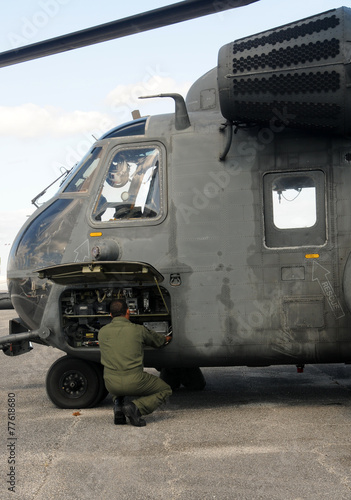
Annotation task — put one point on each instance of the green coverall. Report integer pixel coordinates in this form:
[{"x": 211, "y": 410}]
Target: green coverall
[{"x": 122, "y": 352}]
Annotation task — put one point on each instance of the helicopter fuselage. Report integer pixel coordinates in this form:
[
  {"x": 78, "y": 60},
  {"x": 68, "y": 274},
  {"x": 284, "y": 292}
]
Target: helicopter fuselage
[
  {"x": 241, "y": 286},
  {"x": 226, "y": 223}
]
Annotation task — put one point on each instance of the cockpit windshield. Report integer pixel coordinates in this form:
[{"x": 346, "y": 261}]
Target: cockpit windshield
[
  {"x": 131, "y": 189},
  {"x": 81, "y": 181}
]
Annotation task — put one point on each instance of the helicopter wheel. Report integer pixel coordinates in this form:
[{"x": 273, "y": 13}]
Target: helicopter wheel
[
  {"x": 103, "y": 391},
  {"x": 171, "y": 376},
  {"x": 191, "y": 378},
  {"x": 75, "y": 383}
]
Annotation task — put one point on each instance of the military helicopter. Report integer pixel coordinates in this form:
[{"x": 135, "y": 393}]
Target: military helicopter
[
  {"x": 5, "y": 302},
  {"x": 225, "y": 222}
]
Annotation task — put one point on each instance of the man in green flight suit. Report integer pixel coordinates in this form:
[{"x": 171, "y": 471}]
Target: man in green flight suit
[{"x": 121, "y": 344}]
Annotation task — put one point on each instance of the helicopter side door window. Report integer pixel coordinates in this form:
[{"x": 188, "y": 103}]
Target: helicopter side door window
[
  {"x": 131, "y": 188},
  {"x": 294, "y": 207}
]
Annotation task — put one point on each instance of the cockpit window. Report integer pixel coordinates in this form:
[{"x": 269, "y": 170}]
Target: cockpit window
[
  {"x": 131, "y": 189},
  {"x": 82, "y": 180}
]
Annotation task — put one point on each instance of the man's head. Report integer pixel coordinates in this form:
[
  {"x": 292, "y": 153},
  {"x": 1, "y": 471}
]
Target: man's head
[
  {"x": 118, "y": 175},
  {"x": 119, "y": 307}
]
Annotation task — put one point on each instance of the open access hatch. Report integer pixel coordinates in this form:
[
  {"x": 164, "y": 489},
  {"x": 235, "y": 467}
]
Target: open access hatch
[
  {"x": 102, "y": 271},
  {"x": 90, "y": 287}
]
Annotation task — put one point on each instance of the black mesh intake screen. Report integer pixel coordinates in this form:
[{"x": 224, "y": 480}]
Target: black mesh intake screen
[{"x": 303, "y": 69}]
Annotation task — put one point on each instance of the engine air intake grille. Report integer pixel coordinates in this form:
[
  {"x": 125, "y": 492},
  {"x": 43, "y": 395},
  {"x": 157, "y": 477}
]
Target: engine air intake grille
[
  {"x": 288, "y": 34},
  {"x": 304, "y": 66}
]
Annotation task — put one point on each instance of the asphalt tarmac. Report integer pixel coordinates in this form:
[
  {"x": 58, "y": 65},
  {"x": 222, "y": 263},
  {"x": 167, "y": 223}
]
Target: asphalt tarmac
[{"x": 253, "y": 433}]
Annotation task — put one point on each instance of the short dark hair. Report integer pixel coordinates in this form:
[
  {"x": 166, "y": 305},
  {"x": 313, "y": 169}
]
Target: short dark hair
[{"x": 118, "y": 307}]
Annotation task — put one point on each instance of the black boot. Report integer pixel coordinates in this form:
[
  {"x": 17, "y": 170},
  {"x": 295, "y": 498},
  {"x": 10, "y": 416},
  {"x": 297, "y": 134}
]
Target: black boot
[
  {"x": 134, "y": 415},
  {"x": 119, "y": 418}
]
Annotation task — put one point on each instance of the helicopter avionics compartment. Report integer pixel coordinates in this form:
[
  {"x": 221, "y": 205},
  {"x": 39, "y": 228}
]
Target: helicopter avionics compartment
[
  {"x": 85, "y": 311},
  {"x": 84, "y": 304}
]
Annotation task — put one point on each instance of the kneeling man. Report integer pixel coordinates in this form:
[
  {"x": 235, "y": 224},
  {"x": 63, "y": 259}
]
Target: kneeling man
[{"x": 122, "y": 352}]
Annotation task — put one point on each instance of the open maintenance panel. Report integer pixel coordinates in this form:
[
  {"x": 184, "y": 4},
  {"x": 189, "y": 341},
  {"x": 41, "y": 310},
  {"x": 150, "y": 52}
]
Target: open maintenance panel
[
  {"x": 85, "y": 311},
  {"x": 90, "y": 289}
]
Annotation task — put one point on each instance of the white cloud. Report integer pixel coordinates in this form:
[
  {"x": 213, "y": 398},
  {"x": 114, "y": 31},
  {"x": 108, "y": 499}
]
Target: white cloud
[
  {"x": 127, "y": 95},
  {"x": 31, "y": 120}
]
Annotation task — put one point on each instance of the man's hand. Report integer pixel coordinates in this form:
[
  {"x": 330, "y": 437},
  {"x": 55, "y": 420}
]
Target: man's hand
[{"x": 168, "y": 338}]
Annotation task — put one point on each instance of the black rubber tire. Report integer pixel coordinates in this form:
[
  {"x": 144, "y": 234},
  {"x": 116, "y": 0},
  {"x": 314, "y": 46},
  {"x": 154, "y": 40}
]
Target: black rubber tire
[
  {"x": 171, "y": 376},
  {"x": 73, "y": 383},
  {"x": 103, "y": 392},
  {"x": 191, "y": 378}
]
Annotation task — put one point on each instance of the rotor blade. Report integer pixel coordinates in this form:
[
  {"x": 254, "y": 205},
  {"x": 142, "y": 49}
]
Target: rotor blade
[{"x": 157, "y": 18}]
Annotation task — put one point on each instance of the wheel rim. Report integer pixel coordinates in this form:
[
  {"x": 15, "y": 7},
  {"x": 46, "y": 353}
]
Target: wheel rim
[{"x": 73, "y": 384}]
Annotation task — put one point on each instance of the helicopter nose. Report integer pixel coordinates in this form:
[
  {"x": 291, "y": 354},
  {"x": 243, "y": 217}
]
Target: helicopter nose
[{"x": 41, "y": 242}]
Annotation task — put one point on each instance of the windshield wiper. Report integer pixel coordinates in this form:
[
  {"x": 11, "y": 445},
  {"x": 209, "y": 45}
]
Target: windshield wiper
[{"x": 65, "y": 173}]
